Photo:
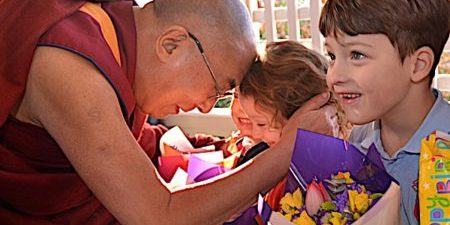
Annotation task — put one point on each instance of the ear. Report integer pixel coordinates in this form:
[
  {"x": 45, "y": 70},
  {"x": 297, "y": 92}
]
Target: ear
[
  {"x": 423, "y": 59},
  {"x": 170, "y": 42}
]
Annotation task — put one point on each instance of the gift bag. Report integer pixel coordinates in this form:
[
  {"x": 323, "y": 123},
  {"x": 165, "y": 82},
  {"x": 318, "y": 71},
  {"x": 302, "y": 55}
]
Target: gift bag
[
  {"x": 327, "y": 173},
  {"x": 434, "y": 179},
  {"x": 181, "y": 164}
]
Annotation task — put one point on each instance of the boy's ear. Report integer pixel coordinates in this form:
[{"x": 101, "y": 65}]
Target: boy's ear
[
  {"x": 423, "y": 59},
  {"x": 171, "y": 40}
]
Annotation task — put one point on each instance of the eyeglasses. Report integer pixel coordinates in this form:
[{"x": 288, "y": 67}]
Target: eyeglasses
[{"x": 219, "y": 92}]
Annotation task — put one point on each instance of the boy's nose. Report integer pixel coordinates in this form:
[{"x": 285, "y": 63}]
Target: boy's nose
[{"x": 336, "y": 74}]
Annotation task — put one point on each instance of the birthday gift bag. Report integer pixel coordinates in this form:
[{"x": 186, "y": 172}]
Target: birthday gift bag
[{"x": 434, "y": 179}]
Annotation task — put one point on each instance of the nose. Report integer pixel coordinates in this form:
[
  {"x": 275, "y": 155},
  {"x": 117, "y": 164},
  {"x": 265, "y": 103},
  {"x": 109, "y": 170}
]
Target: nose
[
  {"x": 206, "y": 106},
  {"x": 257, "y": 133},
  {"x": 336, "y": 73}
]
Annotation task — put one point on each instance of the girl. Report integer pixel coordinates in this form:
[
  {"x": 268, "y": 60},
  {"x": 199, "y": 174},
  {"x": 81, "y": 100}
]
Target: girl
[{"x": 280, "y": 82}]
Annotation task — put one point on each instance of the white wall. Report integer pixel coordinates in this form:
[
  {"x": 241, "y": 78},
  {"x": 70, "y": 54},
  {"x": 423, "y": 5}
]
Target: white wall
[{"x": 218, "y": 122}]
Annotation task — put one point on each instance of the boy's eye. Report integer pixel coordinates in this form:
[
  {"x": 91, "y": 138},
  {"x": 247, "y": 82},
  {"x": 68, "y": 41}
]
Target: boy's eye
[
  {"x": 331, "y": 56},
  {"x": 261, "y": 124},
  {"x": 357, "y": 55}
]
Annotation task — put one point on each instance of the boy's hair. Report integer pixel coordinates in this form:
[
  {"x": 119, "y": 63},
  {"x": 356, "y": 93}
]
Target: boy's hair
[
  {"x": 409, "y": 24},
  {"x": 286, "y": 77}
]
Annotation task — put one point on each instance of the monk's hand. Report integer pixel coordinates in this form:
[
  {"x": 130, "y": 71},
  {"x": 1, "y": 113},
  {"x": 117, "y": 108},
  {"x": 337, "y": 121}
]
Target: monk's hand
[{"x": 315, "y": 115}]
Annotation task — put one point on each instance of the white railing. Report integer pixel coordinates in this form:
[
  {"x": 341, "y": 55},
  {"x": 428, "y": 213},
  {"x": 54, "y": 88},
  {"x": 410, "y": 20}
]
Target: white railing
[{"x": 291, "y": 13}]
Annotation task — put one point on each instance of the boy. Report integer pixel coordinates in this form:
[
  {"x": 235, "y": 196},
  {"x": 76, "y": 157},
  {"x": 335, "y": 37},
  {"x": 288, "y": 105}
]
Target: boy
[{"x": 383, "y": 57}]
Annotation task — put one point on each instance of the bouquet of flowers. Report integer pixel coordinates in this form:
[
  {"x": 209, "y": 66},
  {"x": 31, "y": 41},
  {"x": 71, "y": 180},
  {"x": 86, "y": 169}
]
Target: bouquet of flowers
[{"x": 332, "y": 182}]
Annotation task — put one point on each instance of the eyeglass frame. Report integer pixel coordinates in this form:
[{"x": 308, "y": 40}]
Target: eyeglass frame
[{"x": 219, "y": 92}]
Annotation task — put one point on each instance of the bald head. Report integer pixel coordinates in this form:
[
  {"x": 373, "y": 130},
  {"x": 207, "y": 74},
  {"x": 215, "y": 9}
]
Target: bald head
[
  {"x": 199, "y": 47},
  {"x": 226, "y": 21}
]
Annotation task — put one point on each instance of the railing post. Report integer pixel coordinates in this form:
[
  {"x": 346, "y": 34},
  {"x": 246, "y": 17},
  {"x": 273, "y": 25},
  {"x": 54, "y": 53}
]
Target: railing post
[
  {"x": 269, "y": 20},
  {"x": 292, "y": 16},
  {"x": 317, "y": 39},
  {"x": 252, "y": 6}
]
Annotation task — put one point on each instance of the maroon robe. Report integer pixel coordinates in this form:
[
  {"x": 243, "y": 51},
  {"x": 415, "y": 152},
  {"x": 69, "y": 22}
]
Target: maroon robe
[{"x": 38, "y": 185}]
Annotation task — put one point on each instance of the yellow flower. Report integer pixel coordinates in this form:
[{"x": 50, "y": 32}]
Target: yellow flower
[
  {"x": 298, "y": 198},
  {"x": 362, "y": 202},
  {"x": 291, "y": 202},
  {"x": 304, "y": 219},
  {"x": 358, "y": 202},
  {"x": 286, "y": 203},
  {"x": 337, "y": 219},
  {"x": 288, "y": 216},
  {"x": 351, "y": 200},
  {"x": 346, "y": 176}
]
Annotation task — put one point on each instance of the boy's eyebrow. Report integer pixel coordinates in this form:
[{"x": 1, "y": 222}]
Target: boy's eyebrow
[{"x": 351, "y": 43}]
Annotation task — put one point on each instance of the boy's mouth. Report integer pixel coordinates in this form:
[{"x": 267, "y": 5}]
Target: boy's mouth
[{"x": 348, "y": 97}]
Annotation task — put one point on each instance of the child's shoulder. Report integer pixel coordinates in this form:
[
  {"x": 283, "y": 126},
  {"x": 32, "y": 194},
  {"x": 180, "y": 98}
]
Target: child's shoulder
[{"x": 439, "y": 115}]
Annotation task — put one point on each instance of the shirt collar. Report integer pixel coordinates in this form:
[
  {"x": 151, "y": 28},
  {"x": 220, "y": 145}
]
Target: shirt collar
[{"x": 438, "y": 118}]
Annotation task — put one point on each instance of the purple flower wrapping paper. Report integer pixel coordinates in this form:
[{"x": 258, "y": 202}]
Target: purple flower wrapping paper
[{"x": 317, "y": 157}]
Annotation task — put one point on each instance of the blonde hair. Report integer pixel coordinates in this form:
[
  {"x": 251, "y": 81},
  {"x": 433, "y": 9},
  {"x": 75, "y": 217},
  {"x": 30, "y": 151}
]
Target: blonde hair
[{"x": 286, "y": 77}]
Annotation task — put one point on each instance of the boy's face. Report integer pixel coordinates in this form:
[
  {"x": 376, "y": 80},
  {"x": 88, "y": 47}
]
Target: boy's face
[
  {"x": 261, "y": 121},
  {"x": 367, "y": 76}
]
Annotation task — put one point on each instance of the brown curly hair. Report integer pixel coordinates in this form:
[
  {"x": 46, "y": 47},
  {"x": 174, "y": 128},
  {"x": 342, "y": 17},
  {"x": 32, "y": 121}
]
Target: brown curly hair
[{"x": 287, "y": 76}]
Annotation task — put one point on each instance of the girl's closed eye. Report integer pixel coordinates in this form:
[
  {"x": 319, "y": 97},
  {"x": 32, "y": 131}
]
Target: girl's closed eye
[{"x": 261, "y": 124}]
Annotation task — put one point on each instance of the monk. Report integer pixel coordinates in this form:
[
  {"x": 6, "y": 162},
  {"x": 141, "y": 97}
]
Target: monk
[{"x": 79, "y": 78}]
